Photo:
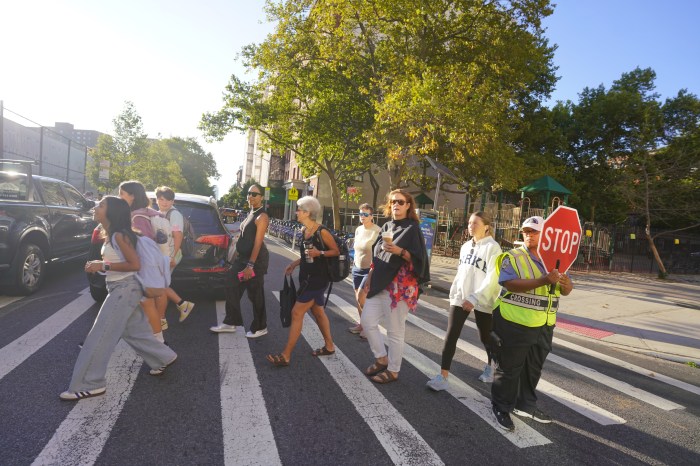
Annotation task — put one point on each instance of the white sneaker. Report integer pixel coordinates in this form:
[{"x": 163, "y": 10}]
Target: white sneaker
[
  {"x": 75, "y": 396},
  {"x": 223, "y": 328},
  {"x": 185, "y": 309},
  {"x": 164, "y": 324},
  {"x": 487, "y": 375},
  {"x": 257, "y": 334}
]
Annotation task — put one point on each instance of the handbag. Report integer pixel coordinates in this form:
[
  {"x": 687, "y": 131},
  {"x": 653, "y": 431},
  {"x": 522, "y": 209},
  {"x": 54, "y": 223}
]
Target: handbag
[{"x": 288, "y": 296}]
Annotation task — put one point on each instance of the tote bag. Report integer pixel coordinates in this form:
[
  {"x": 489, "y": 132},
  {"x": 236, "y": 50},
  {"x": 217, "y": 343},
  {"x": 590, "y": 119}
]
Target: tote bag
[{"x": 288, "y": 296}]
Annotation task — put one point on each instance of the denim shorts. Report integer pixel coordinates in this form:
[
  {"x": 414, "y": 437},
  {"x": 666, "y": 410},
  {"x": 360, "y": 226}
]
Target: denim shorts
[{"x": 358, "y": 275}]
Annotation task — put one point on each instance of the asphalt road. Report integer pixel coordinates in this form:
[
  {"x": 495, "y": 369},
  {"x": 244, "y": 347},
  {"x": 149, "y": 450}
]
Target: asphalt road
[{"x": 223, "y": 403}]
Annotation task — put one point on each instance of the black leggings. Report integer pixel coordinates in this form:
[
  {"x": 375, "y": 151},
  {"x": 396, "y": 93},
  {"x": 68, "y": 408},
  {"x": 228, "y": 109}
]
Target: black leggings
[{"x": 455, "y": 322}]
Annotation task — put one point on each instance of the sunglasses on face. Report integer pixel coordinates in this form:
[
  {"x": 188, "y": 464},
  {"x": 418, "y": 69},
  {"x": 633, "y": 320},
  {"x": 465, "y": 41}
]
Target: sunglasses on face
[
  {"x": 250, "y": 193},
  {"x": 398, "y": 201},
  {"x": 363, "y": 214}
]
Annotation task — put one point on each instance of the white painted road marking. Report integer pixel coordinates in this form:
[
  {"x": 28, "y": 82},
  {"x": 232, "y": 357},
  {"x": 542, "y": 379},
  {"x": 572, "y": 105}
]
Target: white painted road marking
[
  {"x": 82, "y": 435},
  {"x": 523, "y": 436},
  {"x": 247, "y": 433},
  {"x": 599, "y": 377},
  {"x": 23, "y": 347}
]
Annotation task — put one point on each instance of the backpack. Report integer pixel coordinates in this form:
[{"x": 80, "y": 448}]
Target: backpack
[
  {"x": 188, "y": 234},
  {"x": 154, "y": 274},
  {"x": 162, "y": 232},
  {"x": 339, "y": 266}
]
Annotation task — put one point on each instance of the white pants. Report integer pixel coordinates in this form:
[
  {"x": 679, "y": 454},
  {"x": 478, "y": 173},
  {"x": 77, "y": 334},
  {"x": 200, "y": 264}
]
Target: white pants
[{"x": 376, "y": 309}]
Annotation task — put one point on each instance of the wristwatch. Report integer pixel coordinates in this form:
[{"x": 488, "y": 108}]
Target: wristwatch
[
  {"x": 323, "y": 253},
  {"x": 106, "y": 266}
]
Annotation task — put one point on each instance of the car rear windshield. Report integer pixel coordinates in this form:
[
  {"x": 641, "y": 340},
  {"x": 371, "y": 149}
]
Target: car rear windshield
[
  {"x": 204, "y": 219},
  {"x": 13, "y": 186}
]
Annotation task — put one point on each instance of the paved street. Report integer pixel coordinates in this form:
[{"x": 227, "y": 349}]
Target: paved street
[{"x": 223, "y": 403}]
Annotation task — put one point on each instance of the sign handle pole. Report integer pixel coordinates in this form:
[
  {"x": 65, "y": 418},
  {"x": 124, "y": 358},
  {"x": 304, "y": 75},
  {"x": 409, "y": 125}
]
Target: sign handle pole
[{"x": 553, "y": 285}]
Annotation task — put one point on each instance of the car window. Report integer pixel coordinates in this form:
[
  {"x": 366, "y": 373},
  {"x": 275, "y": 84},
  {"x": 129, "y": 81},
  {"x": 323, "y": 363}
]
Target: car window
[
  {"x": 13, "y": 187},
  {"x": 204, "y": 219},
  {"x": 53, "y": 194},
  {"x": 75, "y": 199}
]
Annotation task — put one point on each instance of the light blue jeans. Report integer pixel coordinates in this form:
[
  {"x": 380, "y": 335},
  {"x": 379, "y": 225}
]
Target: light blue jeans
[{"x": 120, "y": 316}]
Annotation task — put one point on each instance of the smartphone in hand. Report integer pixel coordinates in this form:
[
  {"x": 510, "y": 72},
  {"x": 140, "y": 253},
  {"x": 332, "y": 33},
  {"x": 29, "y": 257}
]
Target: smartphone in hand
[{"x": 240, "y": 275}]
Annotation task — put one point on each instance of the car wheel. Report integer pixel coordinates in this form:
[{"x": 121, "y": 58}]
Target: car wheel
[{"x": 29, "y": 269}]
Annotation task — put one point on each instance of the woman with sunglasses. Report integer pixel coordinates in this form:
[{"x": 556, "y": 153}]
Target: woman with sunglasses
[
  {"x": 249, "y": 268},
  {"x": 365, "y": 237},
  {"x": 399, "y": 264}
]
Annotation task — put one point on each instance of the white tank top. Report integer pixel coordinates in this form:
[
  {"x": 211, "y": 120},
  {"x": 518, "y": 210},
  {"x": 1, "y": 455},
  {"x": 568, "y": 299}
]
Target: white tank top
[{"x": 111, "y": 256}]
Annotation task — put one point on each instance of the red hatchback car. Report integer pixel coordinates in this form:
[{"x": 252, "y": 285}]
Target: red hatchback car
[{"x": 205, "y": 270}]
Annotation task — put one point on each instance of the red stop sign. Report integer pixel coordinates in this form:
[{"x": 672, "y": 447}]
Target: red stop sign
[{"x": 560, "y": 239}]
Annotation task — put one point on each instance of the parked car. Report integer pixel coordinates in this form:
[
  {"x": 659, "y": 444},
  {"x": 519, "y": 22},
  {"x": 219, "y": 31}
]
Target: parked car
[
  {"x": 206, "y": 269},
  {"x": 42, "y": 220}
]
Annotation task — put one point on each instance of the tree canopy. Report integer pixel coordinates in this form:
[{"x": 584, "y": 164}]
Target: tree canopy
[{"x": 130, "y": 155}]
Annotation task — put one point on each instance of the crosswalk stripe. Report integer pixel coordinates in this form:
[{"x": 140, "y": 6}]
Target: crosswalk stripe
[
  {"x": 400, "y": 440},
  {"x": 592, "y": 374},
  {"x": 15, "y": 353},
  {"x": 631, "y": 367},
  {"x": 523, "y": 436},
  {"x": 247, "y": 433},
  {"x": 574, "y": 402},
  {"x": 84, "y": 432}
]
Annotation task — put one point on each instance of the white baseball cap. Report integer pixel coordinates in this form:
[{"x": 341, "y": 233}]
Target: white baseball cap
[{"x": 533, "y": 222}]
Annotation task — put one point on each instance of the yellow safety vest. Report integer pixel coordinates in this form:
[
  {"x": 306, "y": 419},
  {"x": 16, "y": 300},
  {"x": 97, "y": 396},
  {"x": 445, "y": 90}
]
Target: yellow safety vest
[{"x": 534, "y": 308}]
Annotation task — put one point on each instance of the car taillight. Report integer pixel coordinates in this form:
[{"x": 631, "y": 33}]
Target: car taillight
[
  {"x": 220, "y": 241},
  {"x": 96, "y": 236}
]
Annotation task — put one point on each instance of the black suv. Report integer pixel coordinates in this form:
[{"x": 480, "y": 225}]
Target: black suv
[
  {"x": 206, "y": 269},
  {"x": 41, "y": 220}
]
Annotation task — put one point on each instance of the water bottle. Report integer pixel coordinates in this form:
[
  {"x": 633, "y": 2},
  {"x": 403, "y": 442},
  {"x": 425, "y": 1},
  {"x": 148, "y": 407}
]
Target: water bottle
[{"x": 307, "y": 247}]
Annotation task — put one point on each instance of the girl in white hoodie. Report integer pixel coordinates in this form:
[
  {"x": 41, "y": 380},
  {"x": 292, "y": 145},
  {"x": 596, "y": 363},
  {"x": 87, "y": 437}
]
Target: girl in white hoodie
[{"x": 472, "y": 288}]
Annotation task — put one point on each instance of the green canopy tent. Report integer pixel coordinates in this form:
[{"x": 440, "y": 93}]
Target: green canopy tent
[
  {"x": 422, "y": 199},
  {"x": 548, "y": 186}
]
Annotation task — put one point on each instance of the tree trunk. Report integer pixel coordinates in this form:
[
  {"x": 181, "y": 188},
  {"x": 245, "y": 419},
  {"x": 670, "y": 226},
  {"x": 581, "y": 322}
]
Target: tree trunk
[
  {"x": 655, "y": 252},
  {"x": 375, "y": 188},
  {"x": 335, "y": 195}
]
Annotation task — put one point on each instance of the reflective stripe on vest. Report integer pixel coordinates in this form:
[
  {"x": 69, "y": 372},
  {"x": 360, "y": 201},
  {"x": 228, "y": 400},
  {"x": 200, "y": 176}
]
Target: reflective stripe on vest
[{"x": 534, "y": 308}]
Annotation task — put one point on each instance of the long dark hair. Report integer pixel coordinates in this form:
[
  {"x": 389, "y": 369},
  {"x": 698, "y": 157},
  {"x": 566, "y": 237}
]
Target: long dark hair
[
  {"x": 119, "y": 217},
  {"x": 136, "y": 189}
]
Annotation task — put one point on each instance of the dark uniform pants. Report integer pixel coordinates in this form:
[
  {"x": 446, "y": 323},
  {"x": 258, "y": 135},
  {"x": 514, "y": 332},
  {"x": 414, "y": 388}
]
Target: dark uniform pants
[
  {"x": 256, "y": 294},
  {"x": 520, "y": 358}
]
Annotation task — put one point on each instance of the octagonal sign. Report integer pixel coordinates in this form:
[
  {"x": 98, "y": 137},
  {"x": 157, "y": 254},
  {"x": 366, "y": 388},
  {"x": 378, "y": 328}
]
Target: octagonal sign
[{"x": 560, "y": 239}]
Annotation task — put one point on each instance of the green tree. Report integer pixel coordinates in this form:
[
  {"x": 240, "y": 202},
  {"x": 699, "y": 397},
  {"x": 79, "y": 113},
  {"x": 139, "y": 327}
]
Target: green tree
[{"x": 237, "y": 196}]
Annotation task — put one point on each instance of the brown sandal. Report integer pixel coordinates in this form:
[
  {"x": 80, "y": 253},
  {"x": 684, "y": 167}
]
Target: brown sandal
[
  {"x": 375, "y": 369},
  {"x": 322, "y": 352},
  {"x": 385, "y": 377},
  {"x": 277, "y": 360}
]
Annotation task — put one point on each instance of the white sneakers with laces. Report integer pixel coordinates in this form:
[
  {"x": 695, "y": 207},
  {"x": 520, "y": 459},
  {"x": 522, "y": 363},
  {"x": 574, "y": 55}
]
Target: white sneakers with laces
[
  {"x": 257, "y": 334},
  {"x": 223, "y": 328}
]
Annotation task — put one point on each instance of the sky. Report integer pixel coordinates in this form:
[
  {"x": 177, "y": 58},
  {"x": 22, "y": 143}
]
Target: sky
[{"x": 78, "y": 61}]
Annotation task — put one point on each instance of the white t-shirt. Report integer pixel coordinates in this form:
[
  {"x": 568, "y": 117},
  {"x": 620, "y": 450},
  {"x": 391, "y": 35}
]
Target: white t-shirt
[
  {"x": 177, "y": 223},
  {"x": 364, "y": 240}
]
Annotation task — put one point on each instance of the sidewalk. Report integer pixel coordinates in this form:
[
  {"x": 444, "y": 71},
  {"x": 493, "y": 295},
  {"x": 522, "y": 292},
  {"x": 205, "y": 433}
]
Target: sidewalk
[{"x": 639, "y": 313}]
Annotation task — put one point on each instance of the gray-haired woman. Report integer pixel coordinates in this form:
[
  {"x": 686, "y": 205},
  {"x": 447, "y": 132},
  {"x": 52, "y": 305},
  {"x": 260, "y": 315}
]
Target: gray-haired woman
[{"x": 318, "y": 244}]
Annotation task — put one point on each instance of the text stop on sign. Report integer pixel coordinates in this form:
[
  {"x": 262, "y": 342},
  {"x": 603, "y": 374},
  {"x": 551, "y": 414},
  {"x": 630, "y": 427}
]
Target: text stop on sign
[{"x": 560, "y": 239}]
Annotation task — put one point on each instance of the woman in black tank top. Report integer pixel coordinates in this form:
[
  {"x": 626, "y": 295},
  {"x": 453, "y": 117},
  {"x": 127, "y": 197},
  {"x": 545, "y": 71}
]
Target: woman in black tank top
[
  {"x": 248, "y": 271},
  {"x": 317, "y": 244}
]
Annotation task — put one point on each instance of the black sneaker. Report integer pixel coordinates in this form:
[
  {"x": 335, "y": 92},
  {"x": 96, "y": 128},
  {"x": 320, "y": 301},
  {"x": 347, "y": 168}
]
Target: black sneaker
[
  {"x": 537, "y": 415},
  {"x": 503, "y": 419}
]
